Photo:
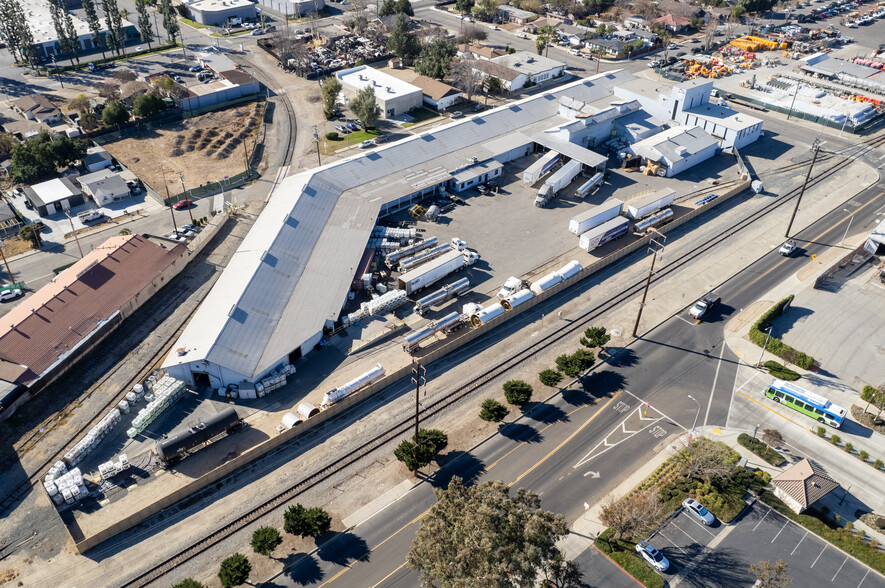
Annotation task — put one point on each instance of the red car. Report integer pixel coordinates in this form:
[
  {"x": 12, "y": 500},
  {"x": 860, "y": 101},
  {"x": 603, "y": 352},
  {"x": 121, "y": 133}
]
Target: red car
[{"x": 183, "y": 204}]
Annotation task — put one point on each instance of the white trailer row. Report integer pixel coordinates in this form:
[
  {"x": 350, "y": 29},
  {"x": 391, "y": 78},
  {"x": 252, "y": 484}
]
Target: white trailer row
[
  {"x": 435, "y": 270},
  {"x": 649, "y": 202},
  {"x": 536, "y": 171},
  {"x": 595, "y": 216}
]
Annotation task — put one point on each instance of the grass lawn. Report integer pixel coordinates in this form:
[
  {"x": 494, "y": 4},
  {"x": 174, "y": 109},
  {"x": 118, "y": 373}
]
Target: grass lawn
[
  {"x": 329, "y": 147},
  {"x": 421, "y": 115},
  {"x": 842, "y": 538},
  {"x": 759, "y": 448},
  {"x": 623, "y": 552},
  {"x": 193, "y": 23}
]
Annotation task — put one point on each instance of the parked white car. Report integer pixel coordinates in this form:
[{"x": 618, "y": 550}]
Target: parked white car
[
  {"x": 10, "y": 295},
  {"x": 652, "y": 556}
]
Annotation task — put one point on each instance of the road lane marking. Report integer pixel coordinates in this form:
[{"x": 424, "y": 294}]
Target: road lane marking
[
  {"x": 771, "y": 409},
  {"x": 800, "y": 543},
  {"x": 762, "y": 519},
  {"x": 839, "y": 570},
  {"x": 781, "y": 531},
  {"x": 618, "y": 429},
  {"x": 570, "y": 437},
  {"x": 715, "y": 379},
  {"x": 687, "y": 322},
  {"x": 819, "y": 554},
  {"x": 733, "y": 388},
  {"x": 384, "y": 579},
  {"x": 674, "y": 421}
]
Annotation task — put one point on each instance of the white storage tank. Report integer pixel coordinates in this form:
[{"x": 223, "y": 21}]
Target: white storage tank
[
  {"x": 290, "y": 419},
  {"x": 516, "y": 299},
  {"x": 546, "y": 283},
  {"x": 307, "y": 410},
  {"x": 570, "y": 269},
  {"x": 370, "y": 377},
  {"x": 487, "y": 314}
]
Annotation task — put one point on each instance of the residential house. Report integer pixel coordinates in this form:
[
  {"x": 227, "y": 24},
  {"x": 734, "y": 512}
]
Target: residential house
[
  {"x": 25, "y": 129},
  {"x": 37, "y": 107},
  {"x": 677, "y": 149},
  {"x": 803, "y": 484},
  {"x": 678, "y": 8},
  {"x": 471, "y": 51},
  {"x": 438, "y": 95},
  {"x": 635, "y": 22},
  {"x": 537, "y": 68},
  {"x": 9, "y": 221},
  {"x": 512, "y": 14},
  {"x": 611, "y": 47},
  {"x": 511, "y": 80},
  {"x": 104, "y": 186},
  {"x": 54, "y": 196},
  {"x": 675, "y": 23},
  {"x": 97, "y": 158}
]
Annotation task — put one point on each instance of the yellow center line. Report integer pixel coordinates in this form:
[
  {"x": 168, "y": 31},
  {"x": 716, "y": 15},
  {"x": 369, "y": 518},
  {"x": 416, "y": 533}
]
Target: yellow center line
[
  {"x": 769, "y": 408},
  {"x": 384, "y": 579},
  {"x": 569, "y": 438}
]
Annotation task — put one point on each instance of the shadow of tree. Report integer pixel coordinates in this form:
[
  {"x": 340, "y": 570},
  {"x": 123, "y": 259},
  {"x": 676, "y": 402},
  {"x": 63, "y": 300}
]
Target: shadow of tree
[
  {"x": 620, "y": 357},
  {"x": 304, "y": 572},
  {"x": 520, "y": 432},
  {"x": 545, "y": 413},
  {"x": 342, "y": 548},
  {"x": 457, "y": 463},
  {"x": 724, "y": 566}
]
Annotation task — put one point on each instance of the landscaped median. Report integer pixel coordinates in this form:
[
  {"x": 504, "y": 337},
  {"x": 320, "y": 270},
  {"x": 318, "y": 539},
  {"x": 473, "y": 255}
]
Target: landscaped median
[
  {"x": 762, "y": 450},
  {"x": 846, "y": 539},
  {"x": 623, "y": 553}
]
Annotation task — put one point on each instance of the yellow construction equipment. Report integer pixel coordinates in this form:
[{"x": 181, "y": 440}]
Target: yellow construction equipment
[{"x": 417, "y": 211}]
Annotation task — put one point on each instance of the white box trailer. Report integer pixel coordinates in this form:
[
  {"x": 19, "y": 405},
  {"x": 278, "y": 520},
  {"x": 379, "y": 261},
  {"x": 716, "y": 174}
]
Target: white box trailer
[
  {"x": 649, "y": 203},
  {"x": 603, "y": 233},
  {"x": 595, "y": 216},
  {"x": 431, "y": 272},
  {"x": 565, "y": 175},
  {"x": 536, "y": 171}
]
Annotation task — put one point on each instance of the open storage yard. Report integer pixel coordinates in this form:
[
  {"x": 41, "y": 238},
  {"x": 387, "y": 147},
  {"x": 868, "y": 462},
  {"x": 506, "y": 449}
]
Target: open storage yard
[{"x": 205, "y": 148}]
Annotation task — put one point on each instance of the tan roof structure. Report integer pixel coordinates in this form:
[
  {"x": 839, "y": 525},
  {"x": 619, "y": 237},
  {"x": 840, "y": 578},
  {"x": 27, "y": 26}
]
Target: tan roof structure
[
  {"x": 36, "y": 104},
  {"x": 805, "y": 482},
  {"x": 434, "y": 89},
  {"x": 674, "y": 20},
  {"x": 502, "y": 72},
  {"x": 43, "y": 329},
  {"x": 480, "y": 50}
]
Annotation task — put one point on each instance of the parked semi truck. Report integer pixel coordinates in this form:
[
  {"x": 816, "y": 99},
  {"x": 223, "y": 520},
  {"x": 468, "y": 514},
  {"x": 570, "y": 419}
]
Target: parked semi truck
[
  {"x": 511, "y": 286},
  {"x": 595, "y": 216},
  {"x": 649, "y": 203},
  {"x": 604, "y": 233},
  {"x": 590, "y": 185},
  {"x": 558, "y": 181},
  {"x": 435, "y": 270}
]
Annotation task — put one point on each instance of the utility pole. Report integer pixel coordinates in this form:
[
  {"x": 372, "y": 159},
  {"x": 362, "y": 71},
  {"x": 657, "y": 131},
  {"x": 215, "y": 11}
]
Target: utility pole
[
  {"x": 419, "y": 374},
  {"x": 654, "y": 247},
  {"x": 796, "y": 93},
  {"x": 316, "y": 137},
  {"x": 764, "y": 347},
  {"x": 6, "y": 263},
  {"x": 184, "y": 191},
  {"x": 76, "y": 238},
  {"x": 169, "y": 199},
  {"x": 802, "y": 192},
  {"x": 245, "y": 156}
]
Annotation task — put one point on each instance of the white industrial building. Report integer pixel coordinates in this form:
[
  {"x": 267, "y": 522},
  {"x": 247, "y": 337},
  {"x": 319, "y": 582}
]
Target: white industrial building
[
  {"x": 219, "y": 12},
  {"x": 677, "y": 149},
  {"x": 288, "y": 282},
  {"x": 393, "y": 95},
  {"x": 296, "y": 8},
  {"x": 689, "y": 103},
  {"x": 519, "y": 69}
]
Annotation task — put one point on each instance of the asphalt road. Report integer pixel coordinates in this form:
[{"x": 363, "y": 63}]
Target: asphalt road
[{"x": 559, "y": 450}]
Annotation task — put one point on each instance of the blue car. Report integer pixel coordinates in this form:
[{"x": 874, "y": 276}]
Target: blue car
[{"x": 352, "y": 126}]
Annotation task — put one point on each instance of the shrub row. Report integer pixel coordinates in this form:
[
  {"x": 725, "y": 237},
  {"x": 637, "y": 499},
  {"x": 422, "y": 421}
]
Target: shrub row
[
  {"x": 624, "y": 554},
  {"x": 841, "y": 538},
  {"x": 781, "y": 371},
  {"x": 775, "y": 345},
  {"x": 759, "y": 448}
]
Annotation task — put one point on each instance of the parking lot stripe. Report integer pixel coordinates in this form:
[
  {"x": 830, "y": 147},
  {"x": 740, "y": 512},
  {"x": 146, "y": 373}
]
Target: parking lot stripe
[
  {"x": 864, "y": 578},
  {"x": 762, "y": 519},
  {"x": 781, "y": 531},
  {"x": 704, "y": 527},
  {"x": 673, "y": 544},
  {"x": 839, "y": 570},
  {"x": 684, "y": 532},
  {"x": 819, "y": 554},
  {"x": 800, "y": 543}
]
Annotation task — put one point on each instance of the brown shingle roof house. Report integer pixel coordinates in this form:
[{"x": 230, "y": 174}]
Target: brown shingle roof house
[{"x": 803, "y": 484}]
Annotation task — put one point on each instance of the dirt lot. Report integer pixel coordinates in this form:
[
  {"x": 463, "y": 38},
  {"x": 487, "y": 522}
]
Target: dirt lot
[{"x": 204, "y": 148}]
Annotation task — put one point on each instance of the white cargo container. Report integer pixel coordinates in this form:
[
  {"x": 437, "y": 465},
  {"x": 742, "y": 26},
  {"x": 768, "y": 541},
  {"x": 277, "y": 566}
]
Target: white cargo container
[
  {"x": 546, "y": 282},
  {"x": 565, "y": 175},
  {"x": 516, "y": 299},
  {"x": 570, "y": 269},
  {"x": 435, "y": 270},
  {"x": 650, "y": 202},
  {"x": 595, "y": 216},
  {"x": 536, "y": 171},
  {"x": 603, "y": 233},
  {"x": 486, "y": 314},
  {"x": 361, "y": 381},
  {"x": 590, "y": 185}
]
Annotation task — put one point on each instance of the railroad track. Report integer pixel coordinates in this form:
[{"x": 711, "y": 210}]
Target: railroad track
[{"x": 404, "y": 426}]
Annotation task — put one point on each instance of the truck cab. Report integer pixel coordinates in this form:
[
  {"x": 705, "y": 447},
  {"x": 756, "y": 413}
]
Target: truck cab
[
  {"x": 706, "y": 303},
  {"x": 545, "y": 194},
  {"x": 511, "y": 286}
]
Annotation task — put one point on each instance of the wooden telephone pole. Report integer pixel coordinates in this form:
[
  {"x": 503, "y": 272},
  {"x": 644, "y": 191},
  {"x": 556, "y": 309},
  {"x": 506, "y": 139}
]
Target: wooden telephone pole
[{"x": 419, "y": 376}]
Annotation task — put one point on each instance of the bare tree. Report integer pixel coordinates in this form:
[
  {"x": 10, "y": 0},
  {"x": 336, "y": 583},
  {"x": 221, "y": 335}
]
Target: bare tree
[
  {"x": 633, "y": 514},
  {"x": 703, "y": 458},
  {"x": 470, "y": 34},
  {"x": 772, "y": 437},
  {"x": 125, "y": 75},
  {"x": 709, "y": 33},
  {"x": 107, "y": 90},
  {"x": 731, "y": 26},
  {"x": 466, "y": 78}
]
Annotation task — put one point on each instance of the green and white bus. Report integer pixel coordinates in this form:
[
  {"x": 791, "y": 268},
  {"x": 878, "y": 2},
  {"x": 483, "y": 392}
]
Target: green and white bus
[{"x": 814, "y": 405}]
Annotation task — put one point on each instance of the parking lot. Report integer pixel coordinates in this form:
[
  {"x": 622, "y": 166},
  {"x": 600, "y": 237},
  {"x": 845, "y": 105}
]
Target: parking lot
[{"x": 720, "y": 555}]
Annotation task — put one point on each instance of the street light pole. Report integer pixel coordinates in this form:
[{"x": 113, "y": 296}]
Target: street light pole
[
  {"x": 796, "y": 93},
  {"x": 76, "y": 238},
  {"x": 184, "y": 190},
  {"x": 802, "y": 192},
  {"x": 698, "y": 414},
  {"x": 764, "y": 347},
  {"x": 755, "y": 431},
  {"x": 316, "y": 137},
  {"x": 850, "y": 218}
]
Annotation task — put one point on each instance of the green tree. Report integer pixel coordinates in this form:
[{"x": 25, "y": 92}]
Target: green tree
[
  {"x": 485, "y": 9},
  {"x": 80, "y": 105},
  {"x": 16, "y": 32},
  {"x": 94, "y": 24},
  {"x": 39, "y": 157},
  {"x": 234, "y": 570},
  {"x": 365, "y": 106},
  {"x": 330, "y": 89},
  {"x": 517, "y": 392},
  {"x": 66, "y": 151},
  {"x": 7, "y": 144},
  {"x": 550, "y": 377},
  {"x": 306, "y": 522},
  {"x": 595, "y": 337},
  {"x": 429, "y": 443},
  {"x": 436, "y": 59},
  {"x": 67, "y": 43},
  {"x": 493, "y": 85},
  {"x": 493, "y": 411},
  {"x": 188, "y": 583},
  {"x": 145, "y": 28},
  {"x": 147, "y": 104},
  {"x": 770, "y": 575},
  {"x": 114, "y": 113},
  {"x": 170, "y": 21},
  {"x": 868, "y": 395},
  {"x": 546, "y": 34},
  {"x": 464, "y": 6},
  {"x": 401, "y": 42},
  {"x": 480, "y": 535},
  {"x": 265, "y": 540},
  {"x": 32, "y": 234},
  {"x": 405, "y": 7},
  {"x": 184, "y": 11},
  {"x": 125, "y": 232},
  {"x": 111, "y": 12},
  {"x": 387, "y": 8},
  {"x": 579, "y": 361}
]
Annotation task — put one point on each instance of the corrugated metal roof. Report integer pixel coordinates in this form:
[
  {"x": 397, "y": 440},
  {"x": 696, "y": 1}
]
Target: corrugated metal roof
[
  {"x": 570, "y": 150},
  {"x": 675, "y": 144},
  {"x": 293, "y": 270},
  {"x": 806, "y": 482}
]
